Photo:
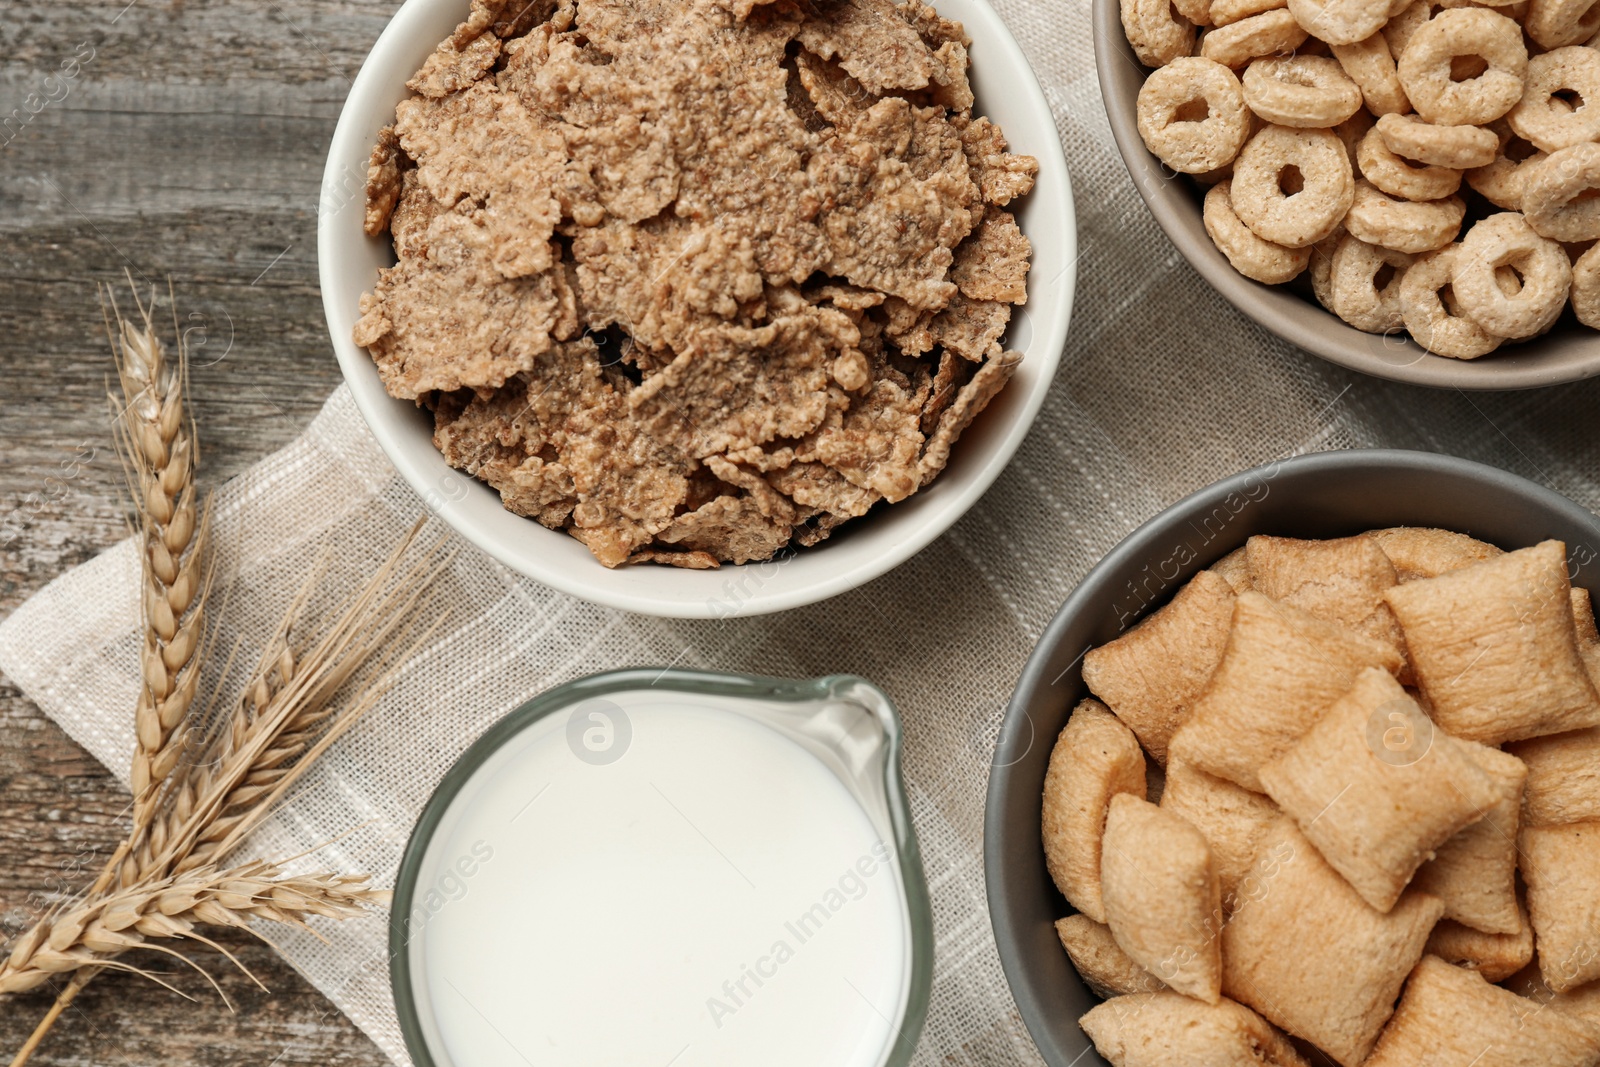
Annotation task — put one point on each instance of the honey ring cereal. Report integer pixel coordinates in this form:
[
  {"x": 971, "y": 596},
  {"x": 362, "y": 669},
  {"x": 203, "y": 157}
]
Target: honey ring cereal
[
  {"x": 1400, "y": 177},
  {"x": 1227, "y": 12},
  {"x": 1558, "y": 23},
  {"x": 1269, "y": 33},
  {"x": 1425, "y": 307},
  {"x": 1410, "y": 226},
  {"x": 1300, "y": 91},
  {"x": 1250, "y": 255},
  {"x": 1548, "y": 120},
  {"x": 1351, "y": 131},
  {"x": 1508, "y": 279},
  {"x": 1405, "y": 22},
  {"x": 1320, "y": 268},
  {"x": 1502, "y": 182},
  {"x": 1457, "y": 147},
  {"x": 1278, "y": 155},
  {"x": 1558, "y": 198},
  {"x": 1370, "y": 65},
  {"x": 1586, "y": 288},
  {"x": 1340, "y": 21},
  {"x": 1427, "y": 65},
  {"x": 1157, "y": 33},
  {"x": 1186, "y": 86},
  {"x": 1358, "y": 289},
  {"x": 1196, "y": 11}
]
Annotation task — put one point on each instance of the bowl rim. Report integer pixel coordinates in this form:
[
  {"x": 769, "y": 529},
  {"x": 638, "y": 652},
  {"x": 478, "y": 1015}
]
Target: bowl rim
[
  {"x": 1333, "y": 340},
  {"x": 1013, "y": 743},
  {"x": 706, "y": 595}
]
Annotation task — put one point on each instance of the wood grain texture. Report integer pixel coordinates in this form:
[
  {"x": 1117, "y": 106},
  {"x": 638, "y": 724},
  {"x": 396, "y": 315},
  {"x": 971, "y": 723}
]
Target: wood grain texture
[{"x": 187, "y": 144}]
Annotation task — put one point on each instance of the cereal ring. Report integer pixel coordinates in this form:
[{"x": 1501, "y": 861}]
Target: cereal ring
[
  {"x": 1502, "y": 181},
  {"x": 1300, "y": 91},
  {"x": 1407, "y": 21},
  {"x": 1456, "y": 147},
  {"x": 1322, "y": 267},
  {"x": 1544, "y": 115},
  {"x": 1400, "y": 177},
  {"x": 1192, "y": 116},
  {"x": 1428, "y": 307},
  {"x": 1370, "y": 66},
  {"x": 1351, "y": 131},
  {"x": 1212, "y": 177},
  {"x": 1586, "y": 288},
  {"x": 1428, "y": 67},
  {"x": 1249, "y": 254},
  {"x": 1404, "y": 225},
  {"x": 1340, "y": 21},
  {"x": 1508, "y": 279},
  {"x": 1558, "y": 23},
  {"x": 1266, "y": 34},
  {"x": 1196, "y": 11},
  {"x": 1559, "y": 199},
  {"x": 1227, "y": 12},
  {"x": 1364, "y": 285},
  {"x": 1292, "y": 186},
  {"x": 1157, "y": 33}
]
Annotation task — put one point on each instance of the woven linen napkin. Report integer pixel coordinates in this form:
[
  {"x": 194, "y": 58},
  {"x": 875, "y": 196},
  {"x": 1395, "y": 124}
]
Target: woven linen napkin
[{"x": 1164, "y": 389}]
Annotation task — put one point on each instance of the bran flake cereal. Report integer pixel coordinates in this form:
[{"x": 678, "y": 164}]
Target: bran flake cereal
[{"x": 696, "y": 281}]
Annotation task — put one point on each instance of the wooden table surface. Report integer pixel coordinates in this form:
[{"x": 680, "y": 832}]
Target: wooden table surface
[{"x": 181, "y": 140}]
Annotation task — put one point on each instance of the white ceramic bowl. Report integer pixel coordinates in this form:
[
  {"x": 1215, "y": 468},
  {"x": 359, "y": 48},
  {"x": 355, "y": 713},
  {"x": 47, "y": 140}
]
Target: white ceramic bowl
[{"x": 348, "y": 262}]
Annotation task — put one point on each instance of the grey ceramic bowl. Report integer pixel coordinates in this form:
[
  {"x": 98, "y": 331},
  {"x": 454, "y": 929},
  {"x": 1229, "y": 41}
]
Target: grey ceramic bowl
[
  {"x": 1568, "y": 353},
  {"x": 1328, "y": 494}
]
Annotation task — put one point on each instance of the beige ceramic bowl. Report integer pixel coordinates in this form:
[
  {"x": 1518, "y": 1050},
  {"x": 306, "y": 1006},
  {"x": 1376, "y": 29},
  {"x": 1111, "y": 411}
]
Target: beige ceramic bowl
[{"x": 1568, "y": 353}]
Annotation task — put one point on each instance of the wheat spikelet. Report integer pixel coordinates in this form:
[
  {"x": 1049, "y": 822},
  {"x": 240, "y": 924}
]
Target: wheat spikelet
[
  {"x": 96, "y": 933},
  {"x": 159, "y": 450}
]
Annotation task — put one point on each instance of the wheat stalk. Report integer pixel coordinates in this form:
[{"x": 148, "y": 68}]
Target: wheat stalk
[
  {"x": 190, "y": 813},
  {"x": 289, "y": 715},
  {"x": 96, "y": 933},
  {"x": 159, "y": 451}
]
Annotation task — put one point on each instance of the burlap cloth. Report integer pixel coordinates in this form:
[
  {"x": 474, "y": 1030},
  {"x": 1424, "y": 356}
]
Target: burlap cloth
[{"x": 1164, "y": 388}]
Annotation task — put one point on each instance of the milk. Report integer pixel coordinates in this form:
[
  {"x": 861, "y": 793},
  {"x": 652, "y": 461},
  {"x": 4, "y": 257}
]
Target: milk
[{"x": 660, "y": 879}]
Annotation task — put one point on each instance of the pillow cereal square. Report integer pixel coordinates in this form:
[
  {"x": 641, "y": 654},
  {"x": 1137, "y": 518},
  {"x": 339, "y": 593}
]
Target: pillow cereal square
[
  {"x": 1451, "y": 1017},
  {"x": 1234, "y": 820},
  {"x": 1341, "y": 580},
  {"x": 1475, "y": 872},
  {"x": 1494, "y": 647},
  {"x": 1281, "y": 668},
  {"x": 1162, "y": 899},
  {"x": 1561, "y": 865},
  {"x": 1234, "y": 568},
  {"x": 1095, "y": 758},
  {"x": 1563, "y": 777},
  {"x": 1150, "y": 675},
  {"x": 1313, "y": 957},
  {"x": 1581, "y": 1005},
  {"x": 1588, "y": 634},
  {"x": 1102, "y": 963},
  {"x": 1424, "y": 552},
  {"x": 1376, "y": 810},
  {"x": 1169, "y": 1030},
  {"x": 1495, "y": 956}
]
